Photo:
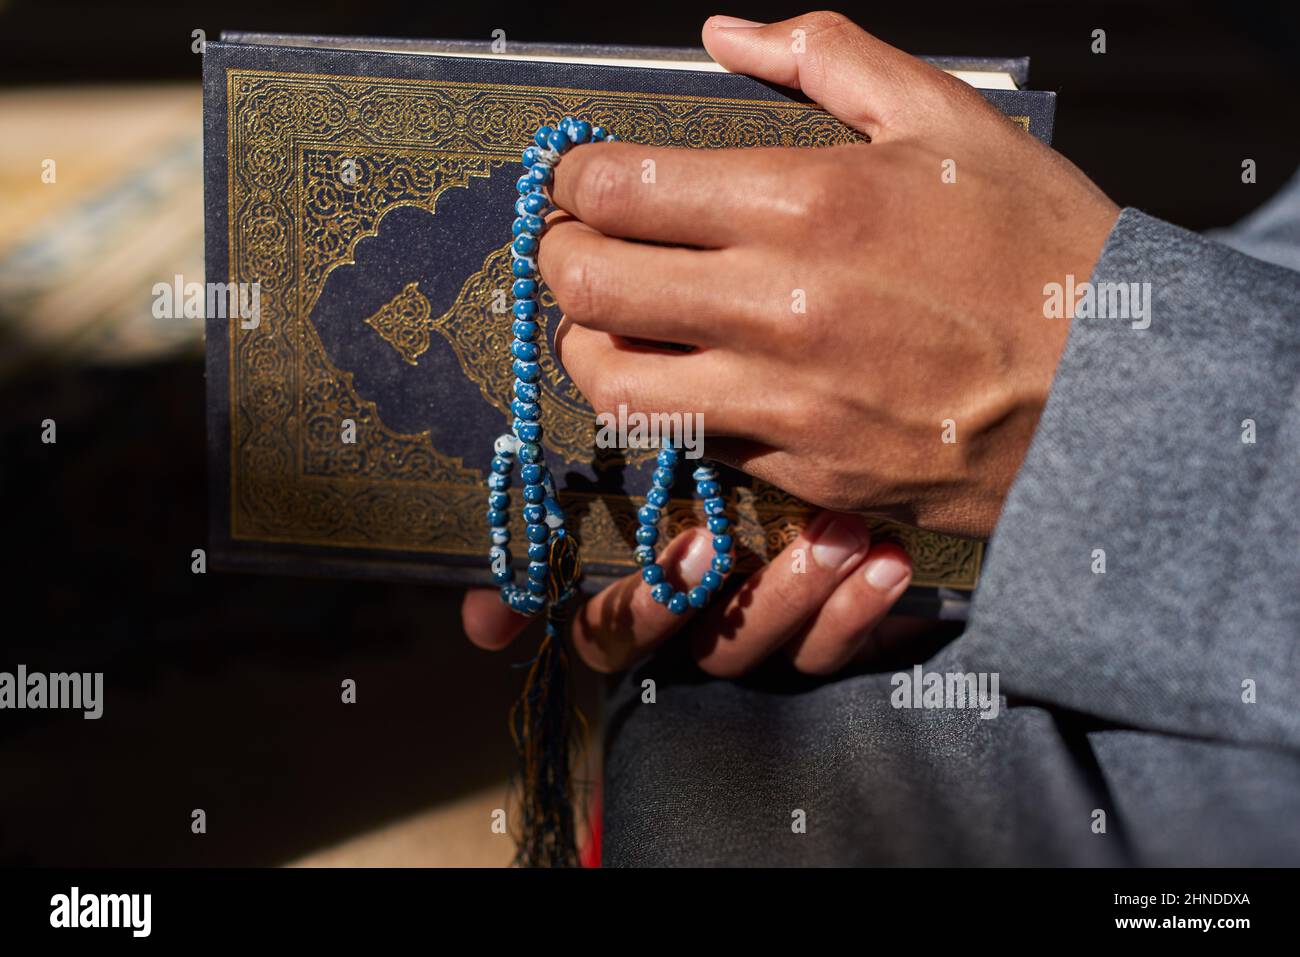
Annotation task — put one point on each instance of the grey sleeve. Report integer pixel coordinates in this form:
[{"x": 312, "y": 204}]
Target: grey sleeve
[{"x": 1171, "y": 453}]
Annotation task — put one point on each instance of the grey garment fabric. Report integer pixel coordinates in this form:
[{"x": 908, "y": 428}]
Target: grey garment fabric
[
  {"x": 1272, "y": 232},
  {"x": 1151, "y": 712}
]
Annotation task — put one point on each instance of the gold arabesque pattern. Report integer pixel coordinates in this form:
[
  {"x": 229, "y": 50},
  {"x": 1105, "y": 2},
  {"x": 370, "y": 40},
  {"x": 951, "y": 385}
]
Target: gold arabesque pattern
[
  {"x": 403, "y": 322},
  {"x": 314, "y": 164}
]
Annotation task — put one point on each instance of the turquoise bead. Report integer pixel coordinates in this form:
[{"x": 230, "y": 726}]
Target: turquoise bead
[
  {"x": 528, "y": 431},
  {"x": 709, "y": 489},
  {"x": 538, "y": 552},
  {"x": 699, "y": 596},
  {"x": 534, "y": 514},
  {"x": 667, "y": 458},
  {"x": 497, "y": 517},
  {"x": 527, "y": 391},
  {"x": 643, "y": 554},
  {"x": 558, "y": 141},
  {"x": 528, "y": 351},
  {"x": 647, "y": 515},
  {"x": 657, "y": 497},
  {"x": 718, "y": 524},
  {"x": 543, "y": 136},
  {"x": 722, "y": 543},
  {"x": 537, "y": 533},
  {"x": 530, "y": 453},
  {"x": 531, "y": 474},
  {"x": 524, "y": 330},
  {"x": 663, "y": 478},
  {"x": 662, "y": 593},
  {"x": 652, "y": 574},
  {"x": 678, "y": 603},
  {"x": 711, "y": 580},
  {"x": 524, "y": 288},
  {"x": 538, "y": 571},
  {"x": 714, "y": 506},
  {"x": 647, "y": 535},
  {"x": 527, "y": 411},
  {"x": 528, "y": 371},
  {"x": 534, "y": 204},
  {"x": 534, "y": 493}
]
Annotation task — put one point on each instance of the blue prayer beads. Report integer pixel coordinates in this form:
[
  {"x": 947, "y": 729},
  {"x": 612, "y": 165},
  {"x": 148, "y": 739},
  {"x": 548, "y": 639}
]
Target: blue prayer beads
[
  {"x": 553, "y": 565},
  {"x": 652, "y": 573}
]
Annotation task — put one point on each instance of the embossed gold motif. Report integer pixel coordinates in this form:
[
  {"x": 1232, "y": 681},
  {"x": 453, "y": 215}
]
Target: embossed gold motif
[
  {"x": 403, "y": 322},
  {"x": 294, "y": 218}
]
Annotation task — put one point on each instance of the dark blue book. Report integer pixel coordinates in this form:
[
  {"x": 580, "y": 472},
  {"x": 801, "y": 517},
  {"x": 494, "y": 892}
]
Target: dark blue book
[{"x": 364, "y": 190}]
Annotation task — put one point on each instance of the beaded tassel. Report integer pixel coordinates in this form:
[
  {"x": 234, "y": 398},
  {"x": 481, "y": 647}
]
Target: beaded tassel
[{"x": 545, "y": 726}]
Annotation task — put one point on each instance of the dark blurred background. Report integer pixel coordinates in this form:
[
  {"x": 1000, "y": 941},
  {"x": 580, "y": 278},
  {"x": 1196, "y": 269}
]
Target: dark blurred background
[{"x": 223, "y": 691}]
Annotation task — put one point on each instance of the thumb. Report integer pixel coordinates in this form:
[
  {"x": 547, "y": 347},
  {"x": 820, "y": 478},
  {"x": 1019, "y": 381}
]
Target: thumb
[{"x": 862, "y": 81}]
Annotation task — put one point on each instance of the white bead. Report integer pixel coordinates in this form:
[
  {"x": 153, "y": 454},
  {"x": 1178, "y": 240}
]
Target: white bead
[{"x": 506, "y": 445}]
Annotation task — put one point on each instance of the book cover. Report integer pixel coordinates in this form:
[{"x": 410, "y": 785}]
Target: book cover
[{"x": 359, "y": 194}]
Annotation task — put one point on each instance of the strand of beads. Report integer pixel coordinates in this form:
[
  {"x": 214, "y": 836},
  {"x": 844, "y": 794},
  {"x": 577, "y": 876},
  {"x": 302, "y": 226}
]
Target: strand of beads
[
  {"x": 707, "y": 488},
  {"x": 552, "y": 555},
  {"x": 553, "y": 565}
]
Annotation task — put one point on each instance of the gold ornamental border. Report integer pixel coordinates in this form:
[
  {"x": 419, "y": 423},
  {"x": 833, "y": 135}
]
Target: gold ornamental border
[{"x": 395, "y": 491}]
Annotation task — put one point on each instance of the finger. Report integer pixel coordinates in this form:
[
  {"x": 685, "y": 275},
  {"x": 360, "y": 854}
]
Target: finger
[
  {"x": 773, "y": 604},
  {"x": 709, "y": 198},
  {"x": 624, "y": 622},
  {"x": 487, "y": 621},
  {"x": 866, "y": 83},
  {"x": 619, "y": 377},
  {"x": 638, "y": 290},
  {"x": 840, "y": 628}
]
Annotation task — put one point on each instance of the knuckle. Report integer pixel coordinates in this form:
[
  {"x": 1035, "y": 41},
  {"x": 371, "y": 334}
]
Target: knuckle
[
  {"x": 819, "y": 21},
  {"x": 622, "y": 388},
  {"x": 601, "y": 193},
  {"x": 816, "y": 198},
  {"x": 575, "y": 285}
]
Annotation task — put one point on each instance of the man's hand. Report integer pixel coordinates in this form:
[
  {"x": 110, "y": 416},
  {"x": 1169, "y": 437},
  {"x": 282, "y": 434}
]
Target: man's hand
[
  {"x": 923, "y": 298},
  {"x": 923, "y": 303},
  {"x": 818, "y": 601}
]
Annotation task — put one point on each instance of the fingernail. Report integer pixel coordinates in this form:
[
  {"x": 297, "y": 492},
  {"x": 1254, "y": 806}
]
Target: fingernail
[
  {"x": 698, "y": 558},
  {"x": 724, "y": 23},
  {"x": 836, "y": 539},
  {"x": 886, "y": 572}
]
